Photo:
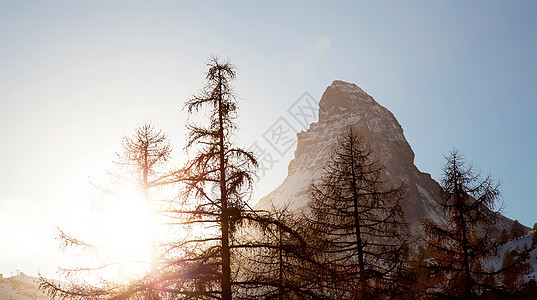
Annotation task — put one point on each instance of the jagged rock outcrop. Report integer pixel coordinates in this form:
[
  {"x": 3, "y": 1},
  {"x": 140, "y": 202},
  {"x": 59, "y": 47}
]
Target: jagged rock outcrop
[{"x": 341, "y": 105}]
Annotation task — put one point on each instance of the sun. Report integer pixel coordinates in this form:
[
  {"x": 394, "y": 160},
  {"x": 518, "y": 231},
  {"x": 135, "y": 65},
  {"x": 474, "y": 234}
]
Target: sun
[
  {"x": 126, "y": 234},
  {"x": 126, "y": 226},
  {"x": 120, "y": 228}
]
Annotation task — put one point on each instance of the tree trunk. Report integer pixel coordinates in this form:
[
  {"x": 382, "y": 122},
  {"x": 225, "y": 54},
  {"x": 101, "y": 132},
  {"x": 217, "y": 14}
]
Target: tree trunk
[
  {"x": 226, "y": 254},
  {"x": 357, "y": 226}
]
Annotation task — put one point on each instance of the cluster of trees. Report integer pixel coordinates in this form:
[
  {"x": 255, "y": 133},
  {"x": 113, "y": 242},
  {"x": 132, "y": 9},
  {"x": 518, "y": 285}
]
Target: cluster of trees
[{"x": 352, "y": 243}]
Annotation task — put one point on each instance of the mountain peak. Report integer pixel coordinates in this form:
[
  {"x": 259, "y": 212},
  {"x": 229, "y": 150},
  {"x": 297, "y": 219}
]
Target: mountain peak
[
  {"x": 347, "y": 86},
  {"x": 344, "y": 104},
  {"x": 342, "y": 96}
]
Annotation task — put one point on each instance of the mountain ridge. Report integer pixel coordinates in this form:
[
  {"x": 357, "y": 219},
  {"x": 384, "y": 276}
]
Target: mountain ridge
[
  {"x": 345, "y": 104},
  {"x": 21, "y": 287}
]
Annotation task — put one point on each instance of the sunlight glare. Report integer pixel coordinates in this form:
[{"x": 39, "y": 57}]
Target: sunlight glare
[{"x": 124, "y": 228}]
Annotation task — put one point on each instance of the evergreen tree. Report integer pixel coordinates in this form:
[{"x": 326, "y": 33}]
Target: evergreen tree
[
  {"x": 225, "y": 257},
  {"x": 360, "y": 221},
  {"x": 504, "y": 237},
  {"x": 516, "y": 265},
  {"x": 210, "y": 250},
  {"x": 468, "y": 203},
  {"x": 534, "y": 236},
  {"x": 141, "y": 157},
  {"x": 528, "y": 291},
  {"x": 280, "y": 263},
  {"x": 217, "y": 182},
  {"x": 517, "y": 230},
  {"x": 141, "y": 161}
]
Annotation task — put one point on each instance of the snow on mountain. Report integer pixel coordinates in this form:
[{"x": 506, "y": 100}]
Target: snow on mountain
[
  {"x": 519, "y": 245},
  {"x": 20, "y": 287},
  {"x": 341, "y": 105}
]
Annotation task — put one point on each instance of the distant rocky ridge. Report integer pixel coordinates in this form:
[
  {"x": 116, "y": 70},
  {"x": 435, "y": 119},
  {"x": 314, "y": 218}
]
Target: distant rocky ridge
[
  {"x": 20, "y": 287},
  {"x": 341, "y": 105}
]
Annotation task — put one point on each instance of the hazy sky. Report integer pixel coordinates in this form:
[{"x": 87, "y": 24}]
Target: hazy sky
[{"x": 75, "y": 77}]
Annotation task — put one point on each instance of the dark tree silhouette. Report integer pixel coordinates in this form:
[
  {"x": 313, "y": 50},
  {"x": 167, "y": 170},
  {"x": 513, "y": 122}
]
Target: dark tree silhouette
[
  {"x": 211, "y": 250},
  {"x": 142, "y": 157},
  {"x": 515, "y": 264},
  {"x": 517, "y": 230},
  {"x": 469, "y": 204},
  {"x": 140, "y": 162},
  {"x": 504, "y": 237},
  {"x": 534, "y": 236},
  {"x": 278, "y": 261},
  {"x": 217, "y": 182},
  {"x": 360, "y": 222}
]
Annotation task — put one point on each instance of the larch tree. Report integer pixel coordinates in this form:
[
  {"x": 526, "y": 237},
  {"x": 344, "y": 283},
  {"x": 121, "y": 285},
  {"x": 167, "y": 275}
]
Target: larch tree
[
  {"x": 142, "y": 158},
  {"x": 534, "y": 236},
  {"x": 216, "y": 182},
  {"x": 360, "y": 221},
  {"x": 515, "y": 264},
  {"x": 278, "y": 259},
  {"x": 469, "y": 203},
  {"x": 517, "y": 230},
  {"x": 232, "y": 250},
  {"x": 140, "y": 162},
  {"x": 504, "y": 237}
]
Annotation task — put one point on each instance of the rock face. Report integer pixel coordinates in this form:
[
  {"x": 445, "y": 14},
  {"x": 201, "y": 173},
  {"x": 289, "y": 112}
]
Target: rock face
[{"x": 341, "y": 105}]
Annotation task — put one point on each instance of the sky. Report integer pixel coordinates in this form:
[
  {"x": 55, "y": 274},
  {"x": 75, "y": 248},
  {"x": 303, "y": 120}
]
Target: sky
[{"x": 75, "y": 77}]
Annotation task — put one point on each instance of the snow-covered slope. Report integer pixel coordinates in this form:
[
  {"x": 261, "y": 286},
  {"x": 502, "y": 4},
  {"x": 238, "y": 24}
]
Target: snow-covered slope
[
  {"x": 20, "y": 287},
  {"x": 518, "y": 245},
  {"x": 341, "y": 105}
]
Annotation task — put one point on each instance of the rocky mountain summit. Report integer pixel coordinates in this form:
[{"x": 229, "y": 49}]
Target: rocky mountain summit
[{"x": 341, "y": 105}]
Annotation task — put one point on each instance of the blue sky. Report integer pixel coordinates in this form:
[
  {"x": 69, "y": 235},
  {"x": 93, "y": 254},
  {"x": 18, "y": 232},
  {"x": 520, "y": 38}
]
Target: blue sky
[{"x": 76, "y": 77}]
